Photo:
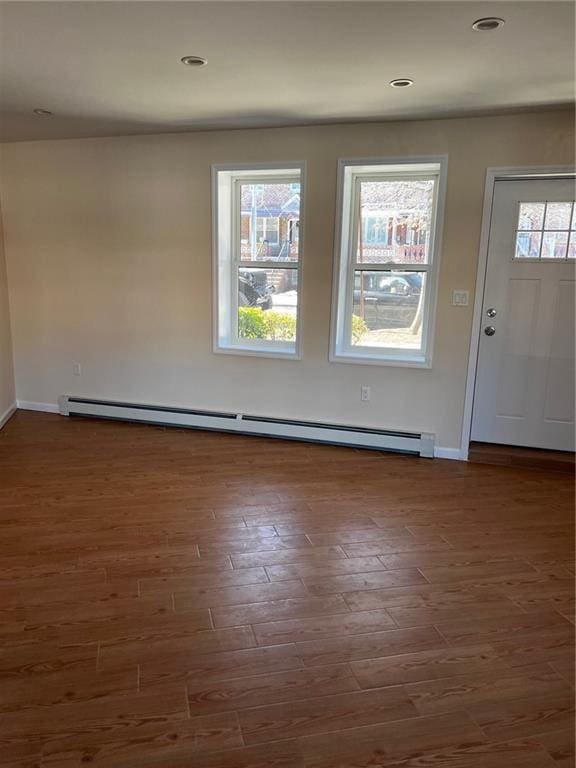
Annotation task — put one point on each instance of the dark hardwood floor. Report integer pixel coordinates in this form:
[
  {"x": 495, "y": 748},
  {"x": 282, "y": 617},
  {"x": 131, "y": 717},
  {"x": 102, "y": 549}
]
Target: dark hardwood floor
[
  {"x": 526, "y": 458},
  {"x": 197, "y": 600}
]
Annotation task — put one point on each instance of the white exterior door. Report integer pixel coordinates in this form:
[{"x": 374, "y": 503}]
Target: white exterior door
[{"x": 524, "y": 392}]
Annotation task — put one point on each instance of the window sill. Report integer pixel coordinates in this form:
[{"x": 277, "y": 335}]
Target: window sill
[
  {"x": 248, "y": 351},
  {"x": 413, "y": 361}
]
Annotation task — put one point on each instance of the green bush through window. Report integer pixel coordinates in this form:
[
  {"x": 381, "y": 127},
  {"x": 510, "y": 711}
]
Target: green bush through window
[{"x": 256, "y": 323}]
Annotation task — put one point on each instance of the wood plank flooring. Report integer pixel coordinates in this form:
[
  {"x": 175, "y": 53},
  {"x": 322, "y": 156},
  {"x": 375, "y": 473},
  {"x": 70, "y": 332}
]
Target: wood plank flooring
[
  {"x": 527, "y": 458},
  {"x": 186, "y": 599}
]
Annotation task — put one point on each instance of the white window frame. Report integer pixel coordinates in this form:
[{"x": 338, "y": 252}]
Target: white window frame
[
  {"x": 350, "y": 173},
  {"x": 227, "y": 260}
]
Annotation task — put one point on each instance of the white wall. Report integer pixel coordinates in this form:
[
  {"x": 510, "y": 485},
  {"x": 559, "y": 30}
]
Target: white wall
[
  {"x": 7, "y": 393},
  {"x": 109, "y": 259}
]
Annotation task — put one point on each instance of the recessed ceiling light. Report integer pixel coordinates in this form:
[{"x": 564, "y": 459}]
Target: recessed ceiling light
[
  {"x": 401, "y": 82},
  {"x": 194, "y": 61},
  {"x": 43, "y": 113},
  {"x": 489, "y": 24}
]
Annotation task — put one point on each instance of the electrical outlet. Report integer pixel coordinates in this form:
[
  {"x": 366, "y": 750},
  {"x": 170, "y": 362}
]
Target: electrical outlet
[
  {"x": 365, "y": 393},
  {"x": 460, "y": 298},
  {"x": 77, "y": 369}
]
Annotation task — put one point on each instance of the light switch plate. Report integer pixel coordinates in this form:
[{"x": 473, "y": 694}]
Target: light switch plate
[{"x": 460, "y": 298}]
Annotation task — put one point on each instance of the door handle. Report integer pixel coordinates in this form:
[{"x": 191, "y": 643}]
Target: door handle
[
  {"x": 489, "y": 330},
  {"x": 491, "y": 312}
]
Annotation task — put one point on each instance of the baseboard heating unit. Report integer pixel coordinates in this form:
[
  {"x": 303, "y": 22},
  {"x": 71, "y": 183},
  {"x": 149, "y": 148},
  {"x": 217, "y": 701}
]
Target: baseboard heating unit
[{"x": 421, "y": 444}]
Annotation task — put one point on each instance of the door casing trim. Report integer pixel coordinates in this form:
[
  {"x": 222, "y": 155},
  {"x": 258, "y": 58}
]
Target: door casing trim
[{"x": 492, "y": 176}]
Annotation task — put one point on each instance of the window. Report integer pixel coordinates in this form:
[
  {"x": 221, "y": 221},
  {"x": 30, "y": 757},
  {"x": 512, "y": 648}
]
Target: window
[
  {"x": 257, "y": 215},
  {"x": 387, "y": 260},
  {"x": 546, "y": 231}
]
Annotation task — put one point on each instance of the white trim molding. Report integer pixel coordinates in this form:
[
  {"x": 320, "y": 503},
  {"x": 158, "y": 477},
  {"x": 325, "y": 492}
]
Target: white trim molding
[
  {"x": 492, "y": 176},
  {"x": 448, "y": 453},
  {"x": 27, "y": 405},
  {"x": 7, "y": 415}
]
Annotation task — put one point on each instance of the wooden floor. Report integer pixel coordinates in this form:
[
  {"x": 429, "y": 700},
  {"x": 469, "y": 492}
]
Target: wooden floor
[
  {"x": 196, "y": 600},
  {"x": 526, "y": 458}
]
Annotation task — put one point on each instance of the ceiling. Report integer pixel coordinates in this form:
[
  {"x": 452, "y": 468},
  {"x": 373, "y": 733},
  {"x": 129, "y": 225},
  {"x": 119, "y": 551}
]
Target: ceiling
[{"x": 112, "y": 68}]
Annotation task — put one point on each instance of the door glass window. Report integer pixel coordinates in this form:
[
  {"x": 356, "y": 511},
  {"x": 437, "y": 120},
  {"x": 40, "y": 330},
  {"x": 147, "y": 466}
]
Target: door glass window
[{"x": 546, "y": 230}]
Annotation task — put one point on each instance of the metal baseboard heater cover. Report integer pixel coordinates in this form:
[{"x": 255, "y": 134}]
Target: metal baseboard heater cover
[{"x": 421, "y": 444}]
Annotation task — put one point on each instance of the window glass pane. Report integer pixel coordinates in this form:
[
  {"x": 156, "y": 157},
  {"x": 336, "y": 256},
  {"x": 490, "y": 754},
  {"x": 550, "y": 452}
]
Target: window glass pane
[
  {"x": 558, "y": 216},
  {"x": 388, "y": 309},
  {"x": 267, "y": 229},
  {"x": 531, "y": 215},
  {"x": 395, "y": 221},
  {"x": 554, "y": 245},
  {"x": 528, "y": 245},
  {"x": 269, "y": 221},
  {"x": 267, "y": 304},
  {"x": 573, "y": 225},
  {"x": 572, "y": 246}
]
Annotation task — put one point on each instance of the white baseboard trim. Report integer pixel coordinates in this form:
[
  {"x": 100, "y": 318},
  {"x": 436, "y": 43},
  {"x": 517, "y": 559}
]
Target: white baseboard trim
[
  {"x": 7, "y": 414},
  {"x": 448, "y": 453},
  {"x": 26, "y": 405}
]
